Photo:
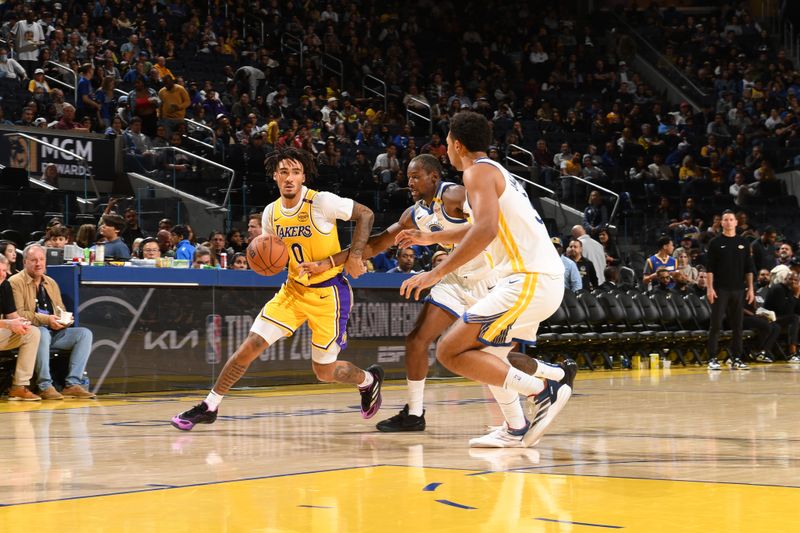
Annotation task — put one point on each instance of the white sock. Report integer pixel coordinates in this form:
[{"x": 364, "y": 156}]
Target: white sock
[
  {"x": 213, "y": 400},
  {"x": 548, "y": 371},
  {"x": 416, "y": 394},
  {"x": 519, "y": 381},
  {"x": 368, "y": 379},
  {"x": 508, "y": 400}
]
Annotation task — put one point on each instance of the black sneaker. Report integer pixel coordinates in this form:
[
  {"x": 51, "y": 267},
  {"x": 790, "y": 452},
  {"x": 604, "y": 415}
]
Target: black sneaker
[
  {"x": 371, "y": 396},
  {"x": 199, "y": 414},
  {"x": 402, "y": 421},
  {"x": 570, "y": 368}
]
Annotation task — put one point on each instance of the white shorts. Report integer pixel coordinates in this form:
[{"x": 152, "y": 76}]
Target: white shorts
[
  {"x": 455, "y": 294},
  {"x": 514, "y": 308}
]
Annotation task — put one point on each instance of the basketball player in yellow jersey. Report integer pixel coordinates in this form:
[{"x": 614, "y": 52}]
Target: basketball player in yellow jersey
[
  {"x": 529, "y": 288},
  {"x": 306, "y": 222}
]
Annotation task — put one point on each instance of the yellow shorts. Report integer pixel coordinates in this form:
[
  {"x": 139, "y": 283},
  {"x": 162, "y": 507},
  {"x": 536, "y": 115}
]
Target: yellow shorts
[{"x": 326, "y": 306}]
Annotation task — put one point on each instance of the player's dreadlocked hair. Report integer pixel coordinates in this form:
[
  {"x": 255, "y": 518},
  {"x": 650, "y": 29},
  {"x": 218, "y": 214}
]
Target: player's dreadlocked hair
[{"x": 301, "y": 156}]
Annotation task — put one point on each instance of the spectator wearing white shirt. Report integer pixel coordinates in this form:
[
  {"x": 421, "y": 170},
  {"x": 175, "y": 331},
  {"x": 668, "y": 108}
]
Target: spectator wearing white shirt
[
  {"x": 10, "y": 68},
  {"x": 592, "y": 250},
  {"x": 28, "y": 45}
]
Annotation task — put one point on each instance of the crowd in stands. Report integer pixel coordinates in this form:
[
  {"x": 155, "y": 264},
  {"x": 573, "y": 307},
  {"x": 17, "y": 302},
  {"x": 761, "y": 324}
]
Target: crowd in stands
[{"x": 560, "y": 87}]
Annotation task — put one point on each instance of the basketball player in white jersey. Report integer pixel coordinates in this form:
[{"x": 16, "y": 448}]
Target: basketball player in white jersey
[
  {"x": 438, "y": 210},
  {"x": 529, "y": 288}
]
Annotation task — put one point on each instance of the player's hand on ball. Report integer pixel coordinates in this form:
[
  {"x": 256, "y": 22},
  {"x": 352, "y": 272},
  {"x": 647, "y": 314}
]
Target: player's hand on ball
[
  {"x": 313, "y": 268},
  {"x": 355, "y": 266},
  {"x": 409, "y": 237},
  {"x": 413, "y": 286}
]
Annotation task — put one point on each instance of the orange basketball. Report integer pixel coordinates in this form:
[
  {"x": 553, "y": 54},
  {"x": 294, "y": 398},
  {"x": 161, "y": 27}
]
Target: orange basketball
[{"x": 267, "y": 255}]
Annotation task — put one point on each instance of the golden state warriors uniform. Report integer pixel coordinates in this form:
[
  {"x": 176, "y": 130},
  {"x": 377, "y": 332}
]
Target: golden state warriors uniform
[
  {"x": 460, "y": 289},
  {"x": 309, "y": 232},
  {"x": 530, "y": 283}
]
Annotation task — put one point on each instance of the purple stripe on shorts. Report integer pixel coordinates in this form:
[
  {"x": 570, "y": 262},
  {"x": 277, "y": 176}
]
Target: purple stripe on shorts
[{"x": 342, "y": 288}]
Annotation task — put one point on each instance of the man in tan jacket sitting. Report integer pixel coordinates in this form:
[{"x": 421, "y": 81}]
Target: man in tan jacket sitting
[
  {"x": 17, "y": 332},
  {"x": 38, "y": 299}
]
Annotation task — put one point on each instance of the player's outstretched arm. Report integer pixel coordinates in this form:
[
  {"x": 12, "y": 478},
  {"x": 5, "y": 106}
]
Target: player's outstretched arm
[
  {"x": 481, "y": 182},
  {"x": 375, "y": 244},
  {"x": 363, "y": 217}
]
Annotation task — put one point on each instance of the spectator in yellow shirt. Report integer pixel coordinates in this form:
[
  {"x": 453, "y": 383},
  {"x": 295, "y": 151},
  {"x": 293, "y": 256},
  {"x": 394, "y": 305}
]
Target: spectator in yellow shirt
[
  {"x": 161, "y": 67},
  {"x": 174, "y": 102}
]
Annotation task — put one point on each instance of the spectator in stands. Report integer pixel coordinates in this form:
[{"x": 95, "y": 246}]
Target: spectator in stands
[
  {"x": 203, "y": 257},
  {"x": 144, "y": 104},
  {"x": 38, "y": 82},
  {"x": 762, "y": 282},
  {"x": 174, "y": 164},
  {"x": 17, "y": 332},
  {"x": 234, "y": 241},
  {"x": 67, "y": 121},
  {"x": 111, "y": 225},
  {"x": 700, "y": 288},
  {"x": 663, "y": 281},
  {"x": 174, "y": 102},
  {"x": 591, "y": 172},
  {"x": 56, "y": 237},
  {"x": 164, "y": 238},
  {"x": 569, "y": 167},
  {"x": 586, "y": 269},
  {"x": 137, "y": 146},
  {"x": 763, "y": 249},
  {"x": 239, "y": 262},
  {"x": 659, "y": 170},
  {"x": 216, "y": 244},
  {"x": 26, "y": 118},
  {"x": 611, "y": 284},
  {"x": 85, "y": 236},
  {"x": 38, "y": 300},
  {"x": 387, "y": 165},
  {"x": 782, "y": 299},
  {"x": 132, "y": 229},
  {"x": 572, "y": 277},
  {"x": 180, "y": 242},
  {"x": 740, "y": 190},
  {"x": 591, "y": 250},
  {"x": 662, "y": 258},
  {"x": 684, "y": 266},
  {"x": 9, "y": 250},
  {"x": 405, "y": 262},
  {"x": 595, "y": 215},
  {"x": 9, "y": 68},
  {"x": 434, "y": 146},
  {"x": 253, "y": 226},
  {"x": 106, "y": 99},
  {"x": 785, "y": 253},
  {"x": 437, "y": 258},
  {"x": 149, "y": 248},
  {"x": 86, "y": 105},
  {"x": 613, "y": 255}
]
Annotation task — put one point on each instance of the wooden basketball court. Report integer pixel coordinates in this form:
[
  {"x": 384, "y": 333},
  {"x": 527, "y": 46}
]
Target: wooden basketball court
[{"x": 667, "y": 450}]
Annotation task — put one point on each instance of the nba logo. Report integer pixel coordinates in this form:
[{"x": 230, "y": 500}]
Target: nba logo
[{"x": 213, "y": 339}]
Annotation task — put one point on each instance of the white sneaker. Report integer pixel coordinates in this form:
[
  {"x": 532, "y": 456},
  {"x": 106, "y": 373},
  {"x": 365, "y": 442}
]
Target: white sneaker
[
  {"x": 547, "y": 404},
  {"x": 498, "y": 437},
  {"x": 794, "y": 359},
  {"x": 713, "y": 364}
]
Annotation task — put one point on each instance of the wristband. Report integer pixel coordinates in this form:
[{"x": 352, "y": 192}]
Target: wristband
[{"x": 333, "y": 263}]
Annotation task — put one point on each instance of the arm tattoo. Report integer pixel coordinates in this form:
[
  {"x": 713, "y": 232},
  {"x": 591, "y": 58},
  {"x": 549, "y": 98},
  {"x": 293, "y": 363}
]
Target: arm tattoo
[
  {"x": 347, "y": 373},
  {"x": 364, "y": 218}
]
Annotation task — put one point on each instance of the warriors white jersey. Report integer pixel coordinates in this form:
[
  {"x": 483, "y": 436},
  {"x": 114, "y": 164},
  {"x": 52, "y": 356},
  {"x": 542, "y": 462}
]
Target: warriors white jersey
[
  {"x": 433, "y": 217},
  {"x": 522, "y": 244}
]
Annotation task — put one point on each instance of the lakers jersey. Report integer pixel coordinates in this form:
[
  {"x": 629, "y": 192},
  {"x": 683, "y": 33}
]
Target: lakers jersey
[
  {"x": 309, "y": 230},
  {"x": 432, "y": 218},
  {"x": 522, "y": 244}
]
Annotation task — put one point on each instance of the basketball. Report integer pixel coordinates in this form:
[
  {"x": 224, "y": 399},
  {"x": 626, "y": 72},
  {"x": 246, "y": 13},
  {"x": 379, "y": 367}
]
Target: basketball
[{"x": 267, "y": 255}]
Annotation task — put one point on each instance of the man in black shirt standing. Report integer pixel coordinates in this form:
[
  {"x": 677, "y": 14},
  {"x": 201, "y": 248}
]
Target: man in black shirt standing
[{"x": 730, "y": 270}]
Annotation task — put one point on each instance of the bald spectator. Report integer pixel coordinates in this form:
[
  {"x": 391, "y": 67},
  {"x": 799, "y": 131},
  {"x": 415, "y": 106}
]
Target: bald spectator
[{"x": 592, "y": 250}]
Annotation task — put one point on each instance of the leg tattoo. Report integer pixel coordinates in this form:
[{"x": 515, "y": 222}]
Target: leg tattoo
[
  {"x": 347, "y": 373},
  {"x": 237, "y": 365}
]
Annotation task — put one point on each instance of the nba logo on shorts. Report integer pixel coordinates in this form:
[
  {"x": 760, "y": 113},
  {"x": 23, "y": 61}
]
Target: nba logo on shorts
[{"x": 213, "y": 339}]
